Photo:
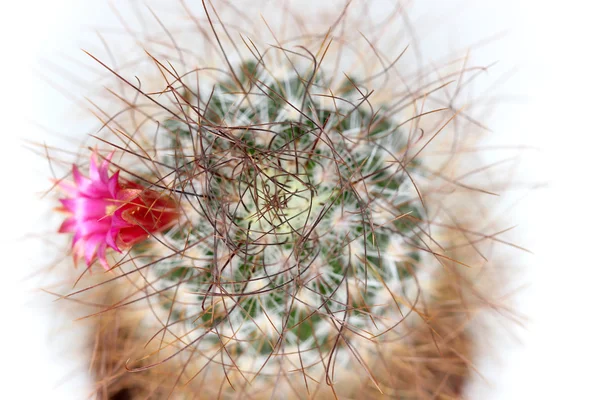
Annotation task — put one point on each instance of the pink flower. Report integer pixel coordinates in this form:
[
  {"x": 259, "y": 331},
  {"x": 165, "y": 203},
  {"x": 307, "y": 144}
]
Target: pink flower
[{"x": 105, "y": 212}]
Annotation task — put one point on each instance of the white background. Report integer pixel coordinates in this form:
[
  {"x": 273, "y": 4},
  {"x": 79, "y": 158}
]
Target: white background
[{"x": 555, "y": 45}]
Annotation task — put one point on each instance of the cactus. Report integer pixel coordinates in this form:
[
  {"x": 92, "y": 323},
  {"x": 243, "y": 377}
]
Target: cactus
[
  {"x": 301, "y": 221},
  {"x": 286, "y": 212}
]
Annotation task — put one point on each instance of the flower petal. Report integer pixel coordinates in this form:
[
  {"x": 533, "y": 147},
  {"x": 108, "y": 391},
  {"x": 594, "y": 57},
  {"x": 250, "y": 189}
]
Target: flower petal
[
  {"x": 102, "y": 256},
  {"x": 94, "y": 173},
  {"x": 80, "y": 180},
  {"x": 68, "y": 188},
  {"x": 132, "y": 235},
  {"x": 90, "y": 246},
  {"x": 113, "y": 185},
  {"x": 103, "y": 172},
  {"x": 68, "y": 225},
  {"x": 84, "y": 208},
  {"x": 111, "y": 237}
]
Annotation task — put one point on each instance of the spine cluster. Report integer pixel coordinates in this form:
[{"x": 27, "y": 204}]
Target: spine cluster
[{"x": 301, "y": 220}]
